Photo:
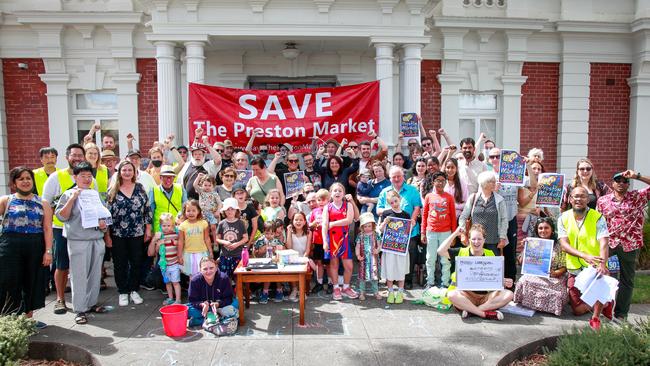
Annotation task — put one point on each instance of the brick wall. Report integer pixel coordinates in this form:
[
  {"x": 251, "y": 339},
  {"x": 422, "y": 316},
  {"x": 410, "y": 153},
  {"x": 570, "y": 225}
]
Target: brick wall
[
  {"x": 26, "y": 111},
  {"x": 609, "y": 113},
  {"x": 147, "y": 103},
  {"x": 539, "y": 110},
  {"x": 430, "y": 94}
]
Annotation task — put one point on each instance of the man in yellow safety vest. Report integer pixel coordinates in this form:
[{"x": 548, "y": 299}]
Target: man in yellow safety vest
[{"x": 49, "y": 156}]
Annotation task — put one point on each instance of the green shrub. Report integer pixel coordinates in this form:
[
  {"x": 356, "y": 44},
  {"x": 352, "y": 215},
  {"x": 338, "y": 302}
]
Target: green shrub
[
  {"x": 14, "y": 338},
  {"x": 644, "y": 255},
  {"x": 616, "y": 346}
]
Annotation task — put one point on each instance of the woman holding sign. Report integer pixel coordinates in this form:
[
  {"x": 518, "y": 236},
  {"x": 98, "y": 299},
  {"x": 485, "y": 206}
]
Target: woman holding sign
[
  {"x": 545, "y": 294},
  {"x": 480, "y": 303}
]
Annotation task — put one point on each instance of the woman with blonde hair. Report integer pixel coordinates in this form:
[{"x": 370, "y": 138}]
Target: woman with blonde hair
[
  {"x": 100, "y": 171},
  {"x": 585, "y": 177},
  {"x": 130, "y": 209}
]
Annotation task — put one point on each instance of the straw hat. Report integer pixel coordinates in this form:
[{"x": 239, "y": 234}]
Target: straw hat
[{"x": 366, "y": 218}]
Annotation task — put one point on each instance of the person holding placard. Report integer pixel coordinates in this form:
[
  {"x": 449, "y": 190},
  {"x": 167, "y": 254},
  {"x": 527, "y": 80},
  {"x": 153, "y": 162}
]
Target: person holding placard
[
  {"x": 624, "y": 211},
  {"x": 584, "y": 237},
  {"x": 545, "y": 294},
  {"x": 394, "y": 267},
  {"x": 480, "y": 303}
]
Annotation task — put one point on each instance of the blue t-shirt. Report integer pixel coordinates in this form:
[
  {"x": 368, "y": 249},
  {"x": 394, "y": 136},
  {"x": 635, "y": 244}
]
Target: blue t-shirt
[
  {"x": 410, "y": 200},
  {"x": 375, "y": 191}
]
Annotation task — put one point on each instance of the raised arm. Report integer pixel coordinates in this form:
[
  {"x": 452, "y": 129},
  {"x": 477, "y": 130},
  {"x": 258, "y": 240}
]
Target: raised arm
[
  {"x": 274, "y": 162},
  {"x": 249, "y": 146},
  {"x": 443, "y": 250},
  {"x": 436, "y": 144}
]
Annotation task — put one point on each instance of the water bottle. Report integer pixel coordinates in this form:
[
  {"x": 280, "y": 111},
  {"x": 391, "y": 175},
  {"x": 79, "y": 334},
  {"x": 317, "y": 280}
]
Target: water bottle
[{"x": 244, "y": 257}]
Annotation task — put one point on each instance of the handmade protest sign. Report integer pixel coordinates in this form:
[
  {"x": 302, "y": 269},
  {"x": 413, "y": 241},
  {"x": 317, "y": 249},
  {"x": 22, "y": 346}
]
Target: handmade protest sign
[
  {"x": 479, "y": 273},
  {"x": 294, "y": 182},
  {"x": 408, "y": 125},
  {"x": 279, "y": 116},
  {"x": 550, "y": 189},
  {"x": 397, "y": 234},
  {"x": 92, "y": 209},
  {"x": 538, "y": 254},
  {"x": 243, "y": 176},
  {"x": 512, "y": 168}
]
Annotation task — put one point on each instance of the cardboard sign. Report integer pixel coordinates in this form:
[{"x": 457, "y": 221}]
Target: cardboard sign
[
  {"x": 479, "y": 273},
  {"x": 538, "y": 254},
  {"x": 397, "y": 234},
  {"x": 550, "y": 190},
  {"x": 512, "y": 168},
  {"x": 408, "y": 125},
  {"x": 294, "y": 182},
  {"x": 243, "y": 176},
  {"x": 279, "y": 116}
]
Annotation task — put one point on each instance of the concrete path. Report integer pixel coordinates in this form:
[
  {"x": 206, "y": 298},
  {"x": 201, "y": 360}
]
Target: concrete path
[{"x": 336, "y": 334}]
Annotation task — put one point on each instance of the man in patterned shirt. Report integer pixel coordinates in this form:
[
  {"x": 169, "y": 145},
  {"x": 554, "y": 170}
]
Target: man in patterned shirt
[{"x": 624, "y": 212}]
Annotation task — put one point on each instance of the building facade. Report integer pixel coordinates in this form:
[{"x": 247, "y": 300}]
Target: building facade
[{"x": 569, "y": 76}]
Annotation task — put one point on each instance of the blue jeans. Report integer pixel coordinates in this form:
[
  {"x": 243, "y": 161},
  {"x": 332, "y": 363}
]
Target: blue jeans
[
  {"x": 434, "y": 240},
  {"x": 196, "y": 317}
]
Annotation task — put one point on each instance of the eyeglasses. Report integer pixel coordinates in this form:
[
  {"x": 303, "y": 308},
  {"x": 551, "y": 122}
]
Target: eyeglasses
[
  {"x": 229, "y": 176},
  {"x": 219, "y": 150},
  {"x": 440, "y": 181},
  {"x": 353, "y": 146},
  {"x": 427, "y": 144},
  {"x": 585, "y": 169},
  {"x": 494, "y": 156},
  {"x": 293, "y": 160},
  {"x": 413, "y": 144}
]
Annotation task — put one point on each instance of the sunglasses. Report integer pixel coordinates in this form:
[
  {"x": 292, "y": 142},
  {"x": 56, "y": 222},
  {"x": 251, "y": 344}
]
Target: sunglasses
[
  {"x": 229, "y": 176},
  {"x": 494, "y": 156},
  {"x": 353, "y": 146},
  {"x": 428, "y": 144},
  {"x": 585, "y": 169},
  {"x": 263, "y": 151},
  {"x": 413, "y": 144},
  {"x": 293, "y": 160},
  {"x": 219, "y": 150}
]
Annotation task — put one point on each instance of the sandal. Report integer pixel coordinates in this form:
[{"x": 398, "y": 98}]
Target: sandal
[
  {"x": 98, "y": 309},
  {"x": 81, "y": 318}
]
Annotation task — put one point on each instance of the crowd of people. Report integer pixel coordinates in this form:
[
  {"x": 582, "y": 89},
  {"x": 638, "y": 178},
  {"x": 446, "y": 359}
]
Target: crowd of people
[{"x": 183, "y": 214}]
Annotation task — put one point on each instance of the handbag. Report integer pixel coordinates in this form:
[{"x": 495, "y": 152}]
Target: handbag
[
  {"x": 468, "y": 222},
  {"x": 4, "y": 215}
]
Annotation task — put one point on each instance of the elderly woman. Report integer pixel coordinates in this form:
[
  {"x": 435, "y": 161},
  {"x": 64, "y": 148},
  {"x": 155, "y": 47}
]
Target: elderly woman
[
  {"x": 546, "y": 294},
  {"x": 130, "y": 208},
  {"x": 262, "y": 182},
  {"x": 209, "y": 290},
  {"x": 487, "y": 208},
  {"x": 228, "y": 176},
  {"x": 585, "y": 177},
  {"x": 25, "y": 246}
]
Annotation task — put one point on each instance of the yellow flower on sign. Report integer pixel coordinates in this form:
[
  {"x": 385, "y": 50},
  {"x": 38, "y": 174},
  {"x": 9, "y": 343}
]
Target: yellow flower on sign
[
  {"x": 292, "y": 178},
  {"x": 395, "y": 225}
]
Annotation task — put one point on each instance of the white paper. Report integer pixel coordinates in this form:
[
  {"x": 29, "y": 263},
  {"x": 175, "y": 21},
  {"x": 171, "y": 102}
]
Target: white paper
[
  {"x": 92, "y": 209},
  {"x": 516, "y": 309},
  {"x": 479, "y": 273},
  {"x": 596, "y": 288}
]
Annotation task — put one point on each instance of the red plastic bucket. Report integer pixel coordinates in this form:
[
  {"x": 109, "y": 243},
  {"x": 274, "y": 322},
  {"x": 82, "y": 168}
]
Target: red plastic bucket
[{"x": 174, "y": 319}]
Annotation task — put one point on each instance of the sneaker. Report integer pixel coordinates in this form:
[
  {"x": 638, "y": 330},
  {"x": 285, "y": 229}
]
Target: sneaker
[
  {"x": 40, "y": 325},
  {"x": 465, "y": 314},
  {"x": 428, "y": 286},
  {"x": 316, "y": 289},
  {"x": 594, "y": 323},
  {"x": 608, "y": 310},
  {"x": 169, "y": 301},
  {"x": 59, "y": 307},
  {"x": 135, "y": 297},
  {"x": 399, "y": 297},
  {"x": 264, "y": 298},
  {"x": 350, "y": 293},
  {"x": 330, "y": 289},
  {"x": 494, "y": 315},
  {"x": 123, "y": 300},
  {"x": 337, "y": 294},
  {"x": 279, "y": 296},
  {"x": 147, "y": 287},
  {"x": 293, "y": 297},
  {"x": 391, "y": 297}
]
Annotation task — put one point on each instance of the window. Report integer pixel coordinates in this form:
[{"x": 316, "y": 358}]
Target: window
[
  {"x": 96, "y": 107},
  {"x": 282, "y": 83},
  {"x": 479, "y": 113}
]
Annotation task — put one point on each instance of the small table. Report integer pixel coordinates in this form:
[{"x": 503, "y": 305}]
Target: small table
[{"x": 289, "y": 273}]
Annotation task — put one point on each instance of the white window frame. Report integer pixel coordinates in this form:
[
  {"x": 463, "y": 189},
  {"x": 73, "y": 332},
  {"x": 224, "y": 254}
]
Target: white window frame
[
  {"x": 96, "y": 115},
  {"x": 478, "y": 114}
]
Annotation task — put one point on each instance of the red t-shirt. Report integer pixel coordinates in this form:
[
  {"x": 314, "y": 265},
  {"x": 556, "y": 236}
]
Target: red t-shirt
[
  {"x": 439, "y": 213},
  {"x": 317, "y": 233}
]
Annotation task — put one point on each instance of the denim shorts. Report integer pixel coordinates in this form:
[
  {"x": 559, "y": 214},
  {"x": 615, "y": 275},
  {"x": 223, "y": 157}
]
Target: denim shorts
[
  {"x": 172, "y": 273},
  {"x": 61, "y": 259}
]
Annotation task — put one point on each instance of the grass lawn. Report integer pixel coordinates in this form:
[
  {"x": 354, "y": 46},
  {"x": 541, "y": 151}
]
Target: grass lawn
[{"x": 641, "y": 293}]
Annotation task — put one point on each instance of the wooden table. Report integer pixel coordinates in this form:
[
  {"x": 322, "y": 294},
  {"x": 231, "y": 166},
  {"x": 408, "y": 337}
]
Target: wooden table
[{"x": 290, "y": 273}]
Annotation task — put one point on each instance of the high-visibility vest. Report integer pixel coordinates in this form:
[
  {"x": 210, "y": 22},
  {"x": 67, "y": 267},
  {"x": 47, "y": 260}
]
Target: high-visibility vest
[
  {"x": 584, "y": 238},
  {"x": 464, "y": 252},
  {"x": 102, "y": 180},
  {"x": 172, "y": 205},
  {"x": 65, "y": 183},
  {"x": 40, "y": 176}
]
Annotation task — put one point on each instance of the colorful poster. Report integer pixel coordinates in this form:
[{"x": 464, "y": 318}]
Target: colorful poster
[
  {"x": 479, "y": 273},
  {"x": 550, "y": 190},
  {"x": 538, "y": 254},
  {"x": 293, "y": 182},
  {"x": 397, "y": 234},
  {"x": 279, "y": 116},
  {"x": 243, "y": 176},
  {"x": 512, "y": 168},
  {"x": 408, "y": 125},
  {"x": 613, "y": 264}
]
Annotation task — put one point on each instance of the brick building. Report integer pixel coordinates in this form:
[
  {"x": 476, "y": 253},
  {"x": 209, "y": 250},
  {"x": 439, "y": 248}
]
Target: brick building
[{"x": 568, "y": 76}]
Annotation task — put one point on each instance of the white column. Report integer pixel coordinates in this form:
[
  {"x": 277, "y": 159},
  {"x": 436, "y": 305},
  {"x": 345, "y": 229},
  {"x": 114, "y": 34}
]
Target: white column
[
  {"x": 127, "y": 102},
  {"x": 412, "y": 58},
  {"x": 384, "y": 64},
  {"x": 58, "y": 113},
  {"x": 4, "y": 145},
  {"x": 510, "y": 131},
  {"x": 195, "y": 62},
  {"x": 449, "y": 100},
  {"x": 638, "y": 147},
  {"x": 573, "y": 115},
  {"x": 167, "y": 89}
]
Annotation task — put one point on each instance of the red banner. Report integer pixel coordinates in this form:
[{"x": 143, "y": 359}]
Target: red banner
[{"x": 280, "y": 116}]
